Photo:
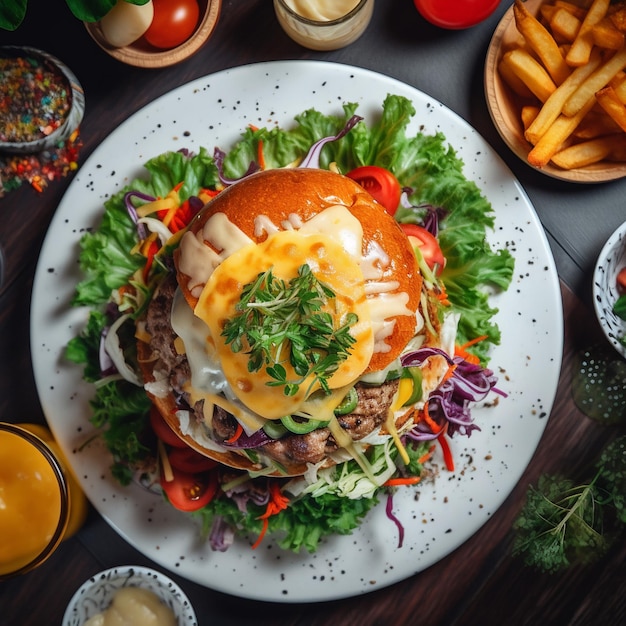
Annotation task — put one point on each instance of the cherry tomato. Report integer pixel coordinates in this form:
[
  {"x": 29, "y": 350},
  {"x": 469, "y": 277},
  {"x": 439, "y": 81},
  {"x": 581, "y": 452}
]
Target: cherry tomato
[
  {"x": 456, "y": 14},
  {"x": 190, "y": 492},
  {"x": 379, "y": 183},
  {"x": 188, "y": 460},
  {"x": 173, "y": 23},
  {"x": 164, "y": 431},
  {"x": 428, "y": 245}
]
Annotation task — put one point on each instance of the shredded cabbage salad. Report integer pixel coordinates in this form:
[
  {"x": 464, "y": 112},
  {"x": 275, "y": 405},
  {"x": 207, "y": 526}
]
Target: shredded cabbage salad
[{"x": 125, "y": 258}]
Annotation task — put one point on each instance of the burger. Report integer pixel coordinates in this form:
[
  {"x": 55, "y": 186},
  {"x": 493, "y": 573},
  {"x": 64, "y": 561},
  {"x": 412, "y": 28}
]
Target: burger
[
  {"x": 276, "y": 342},
  {"x": 275, "y": 351}
]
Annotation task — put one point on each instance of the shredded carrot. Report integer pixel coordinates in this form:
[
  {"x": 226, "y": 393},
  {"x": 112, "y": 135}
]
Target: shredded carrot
[
  {"x": 447, "y": 453},
  {"x": 426, "y": 455},
  {"x": 236, "y": 436},
  {"x": 462, "y": 350},
  {"x": 149, "y": 253},
  {"x": 449, "y": 373},
  {"x": 260, "y": 155},
  {"x": 277, "y": 503},
  {"x": 397, "y": 482},
  {"x": 471, "y": 342},
  {"x": 430, "y": 421}
]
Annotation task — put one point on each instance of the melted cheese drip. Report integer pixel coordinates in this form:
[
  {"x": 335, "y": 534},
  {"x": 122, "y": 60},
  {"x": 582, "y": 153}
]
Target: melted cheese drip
[
  {"x": 285, "y": 252},
  {"x": 197, "y": 260}
]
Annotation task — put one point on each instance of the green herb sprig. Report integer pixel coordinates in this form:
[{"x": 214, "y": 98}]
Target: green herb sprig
[
  {"x": 563, "y": 523},
  {"x": 280, "y": 322}
]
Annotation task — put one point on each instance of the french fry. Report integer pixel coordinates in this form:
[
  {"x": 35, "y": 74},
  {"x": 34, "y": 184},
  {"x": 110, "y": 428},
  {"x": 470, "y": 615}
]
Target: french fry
[
  {"x": 553, "y": 106},
  {"x": 618, "y": 153},
  {"x": 619, "y": 84},
  {"x": 606, "y": 35},
  {"x": 610, "y": 102},
  {"x": 581, "y": 48},
  {"x": 595, "y": 82},
  {"x": 541, "y": 42},
  {"x": 595, "y": 124},
  {"x": 530, "y": 72},
  {"x": 512, "y": 80},
  {"x": 564, "y": 25},
  {"x": 529, "y": 115},
  {"x": 618, "y": 17},
  {"x": 552, "y": 140},
  {"x": 585, "y": 153},
  {"x": 575, "y": 9}
]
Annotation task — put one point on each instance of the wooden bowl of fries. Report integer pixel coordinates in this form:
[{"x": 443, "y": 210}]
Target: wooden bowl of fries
[{"x": 555, "y": 83}]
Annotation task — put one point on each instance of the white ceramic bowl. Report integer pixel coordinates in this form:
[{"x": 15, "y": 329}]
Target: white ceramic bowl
[
  {"x": 95, "y": 595},
  {"x": 612, "y": 258}
]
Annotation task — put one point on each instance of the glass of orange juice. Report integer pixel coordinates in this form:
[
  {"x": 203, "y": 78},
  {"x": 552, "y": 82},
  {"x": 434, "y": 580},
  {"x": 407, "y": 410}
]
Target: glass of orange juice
[{"x": 35, "y": 492}]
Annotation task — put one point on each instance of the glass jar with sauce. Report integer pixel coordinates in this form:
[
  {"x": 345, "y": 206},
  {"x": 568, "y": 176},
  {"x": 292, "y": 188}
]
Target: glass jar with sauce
[
  {"x": 324, "y": 24},
  {"x": 40, "y": 501}
]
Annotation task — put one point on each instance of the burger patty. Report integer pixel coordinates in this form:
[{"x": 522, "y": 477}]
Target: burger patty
[{"x": 369, "y": 414}]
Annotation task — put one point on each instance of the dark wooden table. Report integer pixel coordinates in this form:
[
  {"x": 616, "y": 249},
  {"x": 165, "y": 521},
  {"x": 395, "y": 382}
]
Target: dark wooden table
[{"x": 480, "y": 582}]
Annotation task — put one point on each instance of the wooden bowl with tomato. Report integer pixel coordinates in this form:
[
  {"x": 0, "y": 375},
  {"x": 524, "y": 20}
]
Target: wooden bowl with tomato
[{"x": 176, "y": 30}]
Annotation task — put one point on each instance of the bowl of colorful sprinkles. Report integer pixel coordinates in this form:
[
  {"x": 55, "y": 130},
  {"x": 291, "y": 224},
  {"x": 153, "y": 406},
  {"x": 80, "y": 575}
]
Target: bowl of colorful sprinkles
[{"x": 42, "y": 101}]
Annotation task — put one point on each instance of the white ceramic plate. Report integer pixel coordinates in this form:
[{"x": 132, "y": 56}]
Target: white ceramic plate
[{"x": 213, "y": 111}]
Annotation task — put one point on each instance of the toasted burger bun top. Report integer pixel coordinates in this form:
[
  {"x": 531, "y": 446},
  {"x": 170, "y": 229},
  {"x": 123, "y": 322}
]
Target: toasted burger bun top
[{"x": 364, "y": 254}]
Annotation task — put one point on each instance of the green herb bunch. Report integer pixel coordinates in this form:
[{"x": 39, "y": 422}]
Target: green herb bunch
[
  {"x": 280, "y": 322},
  {"x": 563, "y": 522}
]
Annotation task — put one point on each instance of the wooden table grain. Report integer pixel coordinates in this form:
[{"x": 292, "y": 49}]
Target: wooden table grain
[{"x": 480, "y": 582}]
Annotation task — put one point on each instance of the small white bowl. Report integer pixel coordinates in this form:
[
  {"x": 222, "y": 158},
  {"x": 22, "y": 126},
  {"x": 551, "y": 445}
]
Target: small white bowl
[
  {"x": 612, "y": 258},
  {"x": 96, "y": 594}
]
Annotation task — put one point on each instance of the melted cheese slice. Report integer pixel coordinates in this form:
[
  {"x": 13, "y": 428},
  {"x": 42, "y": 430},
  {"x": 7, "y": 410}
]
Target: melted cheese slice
[{"x": 285, "y": 252}]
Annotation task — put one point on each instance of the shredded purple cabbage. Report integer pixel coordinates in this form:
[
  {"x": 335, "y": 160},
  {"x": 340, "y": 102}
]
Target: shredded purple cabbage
[
  {"x": 432, "y": 217},
  {"x": 219, "y": 156},
  {"x": 141, "y": 229},
  {"x": 449, "y": 404},
  {"x": 254, "y": 440},
  {"x": 312, "y": 159},
  {"x": 394, "y": 519},
  {"x": 222, "y": 535}
]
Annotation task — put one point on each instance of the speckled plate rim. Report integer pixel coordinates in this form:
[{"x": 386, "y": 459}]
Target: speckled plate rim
[
  {"x": 213, "y": 111},
  {"x": 95, "y": 595},
  {"x": 508, "y": 123},
  {"x": 136, "y": 56},
  {"x": 611, "y": 259}
]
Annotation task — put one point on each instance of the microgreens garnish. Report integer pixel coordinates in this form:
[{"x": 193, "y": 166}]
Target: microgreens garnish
[{"x": 279, "y": 322}]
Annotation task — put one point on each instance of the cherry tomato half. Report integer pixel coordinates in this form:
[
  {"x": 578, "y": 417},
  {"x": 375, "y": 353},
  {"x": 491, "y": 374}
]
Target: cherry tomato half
[
  {"x": 457, "y": 14},
  {"x": 173, "y": 22},
  {"x": 163, "y": 430},
  {"x": 190, "y": 492},
  {"x": 428, "y": 245},
  {"x": 189, "y": 461},
  {"x": 379, "y": 183}
]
